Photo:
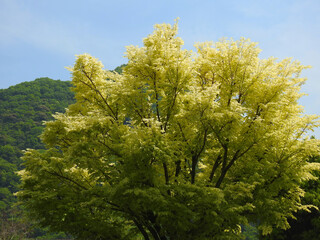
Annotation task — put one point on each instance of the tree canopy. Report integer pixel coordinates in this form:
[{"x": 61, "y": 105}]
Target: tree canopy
[
  {"x": 180, "y": 145},
  {"x": 305, "y": 225}
]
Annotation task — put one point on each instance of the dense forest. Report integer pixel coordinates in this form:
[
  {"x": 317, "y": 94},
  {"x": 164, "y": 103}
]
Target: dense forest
[{"x": 24, "y": 108}]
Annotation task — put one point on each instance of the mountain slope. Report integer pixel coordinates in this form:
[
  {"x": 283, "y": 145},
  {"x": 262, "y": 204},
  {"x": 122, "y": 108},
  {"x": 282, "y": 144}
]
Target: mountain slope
[{"x": 23, "y": 108}]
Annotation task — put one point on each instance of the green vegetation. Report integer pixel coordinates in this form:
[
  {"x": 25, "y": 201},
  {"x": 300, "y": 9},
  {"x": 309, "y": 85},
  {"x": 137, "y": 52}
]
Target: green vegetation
[
  {"x": 24, "y": 107},
  {"x": 181, "y": 145},
  {"x": 306, "y": 226},
  {"x": 165, "y": 149}
]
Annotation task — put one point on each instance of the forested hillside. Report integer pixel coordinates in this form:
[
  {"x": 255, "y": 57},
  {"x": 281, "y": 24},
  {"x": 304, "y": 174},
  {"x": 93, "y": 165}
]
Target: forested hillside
[{"x": 24, "y": 107}]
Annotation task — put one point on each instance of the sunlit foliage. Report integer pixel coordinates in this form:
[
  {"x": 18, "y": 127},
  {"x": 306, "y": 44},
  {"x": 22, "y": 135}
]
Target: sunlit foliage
[{"x": 180, "y": 145}]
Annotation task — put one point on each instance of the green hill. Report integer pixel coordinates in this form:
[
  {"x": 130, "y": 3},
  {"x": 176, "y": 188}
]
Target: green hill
[{"x": 23, "y": 108}]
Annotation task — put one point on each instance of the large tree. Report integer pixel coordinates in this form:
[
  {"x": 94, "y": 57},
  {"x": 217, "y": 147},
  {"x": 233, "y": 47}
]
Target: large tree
[{"x": 181, "y": 145}]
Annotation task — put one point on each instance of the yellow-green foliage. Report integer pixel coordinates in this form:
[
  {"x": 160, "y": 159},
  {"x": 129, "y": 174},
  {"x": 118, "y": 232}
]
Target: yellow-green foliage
[{"x": 181, "y": 145}]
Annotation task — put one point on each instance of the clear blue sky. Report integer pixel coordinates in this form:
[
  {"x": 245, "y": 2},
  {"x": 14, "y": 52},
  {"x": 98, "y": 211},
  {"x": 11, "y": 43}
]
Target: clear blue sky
[{"x": 38, "y": 38}]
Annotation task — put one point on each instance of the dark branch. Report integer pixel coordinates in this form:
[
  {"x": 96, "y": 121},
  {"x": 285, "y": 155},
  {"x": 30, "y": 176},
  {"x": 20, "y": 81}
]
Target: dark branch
[{"x": 214, "y": 168}]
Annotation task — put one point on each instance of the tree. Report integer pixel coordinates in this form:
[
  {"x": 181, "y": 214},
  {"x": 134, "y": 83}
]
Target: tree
[
  {"x": 8, "y": 184},
  {"x": 181, "y": 145},
  {"x": 304, "y": 225}
]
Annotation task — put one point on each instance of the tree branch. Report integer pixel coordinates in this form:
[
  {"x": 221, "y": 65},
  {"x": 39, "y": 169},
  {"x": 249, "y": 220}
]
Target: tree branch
[
  {"x": 66, "y": 178},
  {"x": 196, "y": 156},
  {"x": 166, "y": 174},
  {"x": 214, "y": 168},
  {"x": 97, "y": 91}
]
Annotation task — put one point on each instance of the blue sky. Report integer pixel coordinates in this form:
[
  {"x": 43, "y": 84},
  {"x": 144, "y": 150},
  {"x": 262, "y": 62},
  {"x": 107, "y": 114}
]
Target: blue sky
[{"x": 38, "y": 38}]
